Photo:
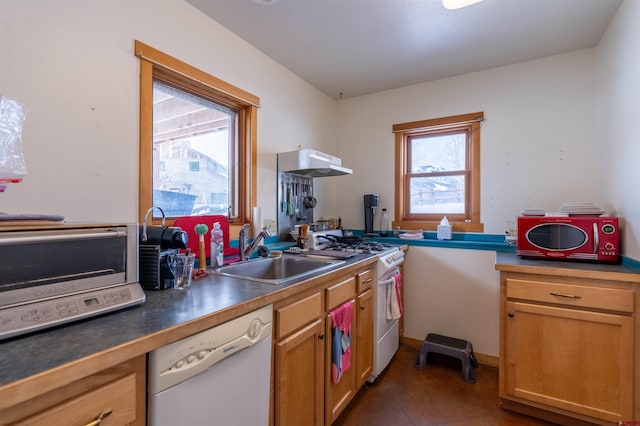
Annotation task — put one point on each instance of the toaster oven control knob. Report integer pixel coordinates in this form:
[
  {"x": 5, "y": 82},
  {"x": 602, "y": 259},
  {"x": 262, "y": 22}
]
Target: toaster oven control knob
[
  {"x": 608, "y": 229},
  {"x": 609, "y": 246}
]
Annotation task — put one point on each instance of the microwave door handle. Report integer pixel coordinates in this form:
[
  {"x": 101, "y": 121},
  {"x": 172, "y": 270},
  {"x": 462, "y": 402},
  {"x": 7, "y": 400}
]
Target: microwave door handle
[{"x": 595, "y": 238}]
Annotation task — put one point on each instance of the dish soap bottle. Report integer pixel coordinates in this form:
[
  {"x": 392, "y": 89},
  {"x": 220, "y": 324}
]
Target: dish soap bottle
[
  {"x": 217, "y": 245},
  {"x": 384, "y": 223}
]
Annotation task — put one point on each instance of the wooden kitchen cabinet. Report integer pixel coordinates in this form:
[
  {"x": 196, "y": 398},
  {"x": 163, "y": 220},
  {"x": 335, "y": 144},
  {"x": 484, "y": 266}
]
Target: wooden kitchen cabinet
[
  {"x": 338, "y": 395},
  {"x": 567, "y": 345},
  {"x": 118, "y": 394},
  {"x": 364, "y": 337},
  {"x": 303, "y": 392},
  {"x": 299, "y": 362},
  {"x": 364, "y": 322}
]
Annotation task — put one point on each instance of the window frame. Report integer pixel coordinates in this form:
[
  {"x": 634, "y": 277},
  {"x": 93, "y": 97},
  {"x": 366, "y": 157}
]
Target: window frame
[
  {"x": 470, "y": 220},
  {"x": 155, "y": 64}
]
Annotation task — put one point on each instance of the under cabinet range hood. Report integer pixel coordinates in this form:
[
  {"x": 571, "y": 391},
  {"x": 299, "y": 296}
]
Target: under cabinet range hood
[{"x": 311, "y": 163}]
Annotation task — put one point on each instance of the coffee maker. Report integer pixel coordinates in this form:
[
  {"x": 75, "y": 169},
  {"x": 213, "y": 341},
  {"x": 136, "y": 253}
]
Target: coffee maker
[
  {"x": 157, "y": 243},
  {"x": 371, "y": 201}
]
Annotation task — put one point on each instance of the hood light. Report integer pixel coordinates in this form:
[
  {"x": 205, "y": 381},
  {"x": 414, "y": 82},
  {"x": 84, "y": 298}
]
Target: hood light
[{"x": 458, "y": 4}]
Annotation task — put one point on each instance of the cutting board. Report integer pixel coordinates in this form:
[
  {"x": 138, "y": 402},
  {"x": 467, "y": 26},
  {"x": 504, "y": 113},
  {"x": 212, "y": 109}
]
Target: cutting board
[{"x": 331, "y": 254}]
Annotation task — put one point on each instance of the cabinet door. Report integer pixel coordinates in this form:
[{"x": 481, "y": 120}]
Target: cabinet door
[
  {"x": 299, "y": 379},
  {"x": 117, "y": 393},
  {"x": 364, "y": 337},
  {"x": 571, "y": 359},
  {"x": 338, "y": 395}
]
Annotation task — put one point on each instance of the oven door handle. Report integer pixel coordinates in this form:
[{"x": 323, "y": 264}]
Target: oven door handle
[
  {"x": 595, "y": 238},
  {"x": 382, "y": 283}
]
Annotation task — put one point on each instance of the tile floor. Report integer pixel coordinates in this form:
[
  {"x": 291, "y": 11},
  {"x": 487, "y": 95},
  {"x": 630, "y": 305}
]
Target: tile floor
[{"x": 437, "y": 395}]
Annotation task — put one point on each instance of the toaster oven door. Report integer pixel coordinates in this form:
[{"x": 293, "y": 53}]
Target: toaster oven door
[{"x": 38, "y": 265}]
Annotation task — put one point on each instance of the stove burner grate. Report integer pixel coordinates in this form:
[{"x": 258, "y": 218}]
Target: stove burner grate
[{"x": 371, "y": 247}]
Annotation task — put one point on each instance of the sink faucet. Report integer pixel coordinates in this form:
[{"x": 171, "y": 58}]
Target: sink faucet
[{"x": 247, "y": 248}]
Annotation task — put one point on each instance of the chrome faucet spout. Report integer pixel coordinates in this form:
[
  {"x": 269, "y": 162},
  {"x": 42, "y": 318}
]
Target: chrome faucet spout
[
  {"x": 243, "y": 240},
  {"x": 246, "y": 247}
]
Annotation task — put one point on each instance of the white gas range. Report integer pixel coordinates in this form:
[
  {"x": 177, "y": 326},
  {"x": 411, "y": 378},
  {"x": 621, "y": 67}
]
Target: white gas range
[{"x": 387, "y": 289}]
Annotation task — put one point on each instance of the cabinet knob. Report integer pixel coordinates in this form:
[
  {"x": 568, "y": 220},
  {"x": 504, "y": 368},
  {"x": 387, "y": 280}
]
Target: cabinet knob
[
  {"x": 321, "y": 337},
  {"x": 362, "y": 307},
  {"x": 511, "y": 314}
]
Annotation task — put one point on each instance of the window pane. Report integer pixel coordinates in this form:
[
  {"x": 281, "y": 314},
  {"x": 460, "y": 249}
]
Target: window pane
[
  {"x": 438, "y": 153},
  {"x": 442, "y": 194},
  {"x": 194, "y": 141}
]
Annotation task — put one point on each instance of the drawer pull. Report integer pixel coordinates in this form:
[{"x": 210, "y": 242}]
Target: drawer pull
[
  {"x": 100, "y": 417},
  {"x": 568, "y": 296},
  {"x": 368, "y": 280}
]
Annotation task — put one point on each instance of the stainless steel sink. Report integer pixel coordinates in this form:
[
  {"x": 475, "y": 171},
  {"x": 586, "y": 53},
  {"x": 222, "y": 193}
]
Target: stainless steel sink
[{"x": 279, "y": 270}]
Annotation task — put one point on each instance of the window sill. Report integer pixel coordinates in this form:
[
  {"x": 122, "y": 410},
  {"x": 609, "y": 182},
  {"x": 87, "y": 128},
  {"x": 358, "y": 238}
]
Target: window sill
[{"x": 432, "y": 225}]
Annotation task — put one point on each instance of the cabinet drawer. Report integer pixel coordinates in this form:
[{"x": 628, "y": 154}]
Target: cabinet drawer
[
  {"x": 118, "y": 396},
  {"x": 610, "y": 299},
  {"x": 340, "y": 292},
  {"x": 297, "y": 314},
  {"x": 364, "y": 280}
]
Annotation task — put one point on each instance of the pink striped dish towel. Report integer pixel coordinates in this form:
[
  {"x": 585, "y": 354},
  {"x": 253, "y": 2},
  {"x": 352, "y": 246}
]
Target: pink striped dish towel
[
  {"x": 341, "y": 319},
  {"x": 394, "y": 297}
]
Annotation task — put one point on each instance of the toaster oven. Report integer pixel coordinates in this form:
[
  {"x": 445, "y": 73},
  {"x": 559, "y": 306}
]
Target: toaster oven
[{"x": 58, "y": 274}]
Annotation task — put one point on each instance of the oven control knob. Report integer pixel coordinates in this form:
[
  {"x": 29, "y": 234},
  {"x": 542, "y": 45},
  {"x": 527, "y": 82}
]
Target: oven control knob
[{"x": 609, "y": 246}]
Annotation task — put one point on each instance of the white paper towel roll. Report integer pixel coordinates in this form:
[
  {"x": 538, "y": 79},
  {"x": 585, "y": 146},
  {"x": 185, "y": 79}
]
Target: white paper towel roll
[{"x": 256, "y": 221}]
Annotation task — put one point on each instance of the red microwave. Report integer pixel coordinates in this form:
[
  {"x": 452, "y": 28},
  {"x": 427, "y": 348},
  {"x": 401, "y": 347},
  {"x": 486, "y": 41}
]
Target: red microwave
[{"x": 593, "y": 238}]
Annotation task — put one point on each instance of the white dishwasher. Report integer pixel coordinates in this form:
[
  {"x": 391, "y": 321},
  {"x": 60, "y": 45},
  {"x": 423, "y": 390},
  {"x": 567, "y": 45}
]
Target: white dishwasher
[{"x": 220, "y": 376}]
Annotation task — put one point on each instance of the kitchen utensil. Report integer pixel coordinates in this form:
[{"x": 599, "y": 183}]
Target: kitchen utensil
[
  {"x": 290, "y": 207},
  {"x": 309, "y": 200},
  {"x": 283, "y": 202}
]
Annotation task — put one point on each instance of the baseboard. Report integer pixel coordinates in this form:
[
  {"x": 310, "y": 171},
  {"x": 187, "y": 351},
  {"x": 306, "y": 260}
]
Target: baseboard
[{"x": 484, "y": 359}]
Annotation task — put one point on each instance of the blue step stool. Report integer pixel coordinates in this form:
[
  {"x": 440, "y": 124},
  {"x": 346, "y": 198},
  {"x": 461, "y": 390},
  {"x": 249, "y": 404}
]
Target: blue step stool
[{"x": 452, "y": 347}]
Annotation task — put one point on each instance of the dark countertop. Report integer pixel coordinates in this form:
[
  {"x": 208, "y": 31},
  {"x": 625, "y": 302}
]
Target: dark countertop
[
  {"x": 164, "y": 317},
  {"x": 510, "y": 262}
]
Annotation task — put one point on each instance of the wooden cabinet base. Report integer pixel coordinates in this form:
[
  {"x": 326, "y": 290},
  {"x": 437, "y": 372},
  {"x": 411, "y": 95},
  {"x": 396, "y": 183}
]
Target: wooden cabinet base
[{"x": 547, "y": 413}]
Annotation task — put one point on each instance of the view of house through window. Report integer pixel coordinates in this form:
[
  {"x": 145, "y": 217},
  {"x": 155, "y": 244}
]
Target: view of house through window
[
  {"x": 194, "y": 143},
  {"x": 438, "y": 169},
  {"x": 198, "y": 142}
]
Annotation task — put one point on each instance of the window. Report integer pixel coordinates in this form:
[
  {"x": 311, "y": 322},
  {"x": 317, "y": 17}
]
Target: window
[
  {"x": 438, "y": 173},
  {"x": 197, "y": 141}
]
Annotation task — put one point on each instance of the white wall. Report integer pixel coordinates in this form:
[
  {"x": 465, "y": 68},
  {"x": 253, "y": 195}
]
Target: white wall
[
  {"x": 455, "y": 293},
  {"x": 537, "y": 150},
  {"x": 72, "y": 65},
  {"x": 618, "y": 65},
  {"x": 537, "y": 143}
]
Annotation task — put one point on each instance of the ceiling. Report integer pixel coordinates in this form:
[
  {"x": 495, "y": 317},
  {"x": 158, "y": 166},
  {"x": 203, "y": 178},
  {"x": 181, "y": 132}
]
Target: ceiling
[{"x": 347, "y": 48}]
